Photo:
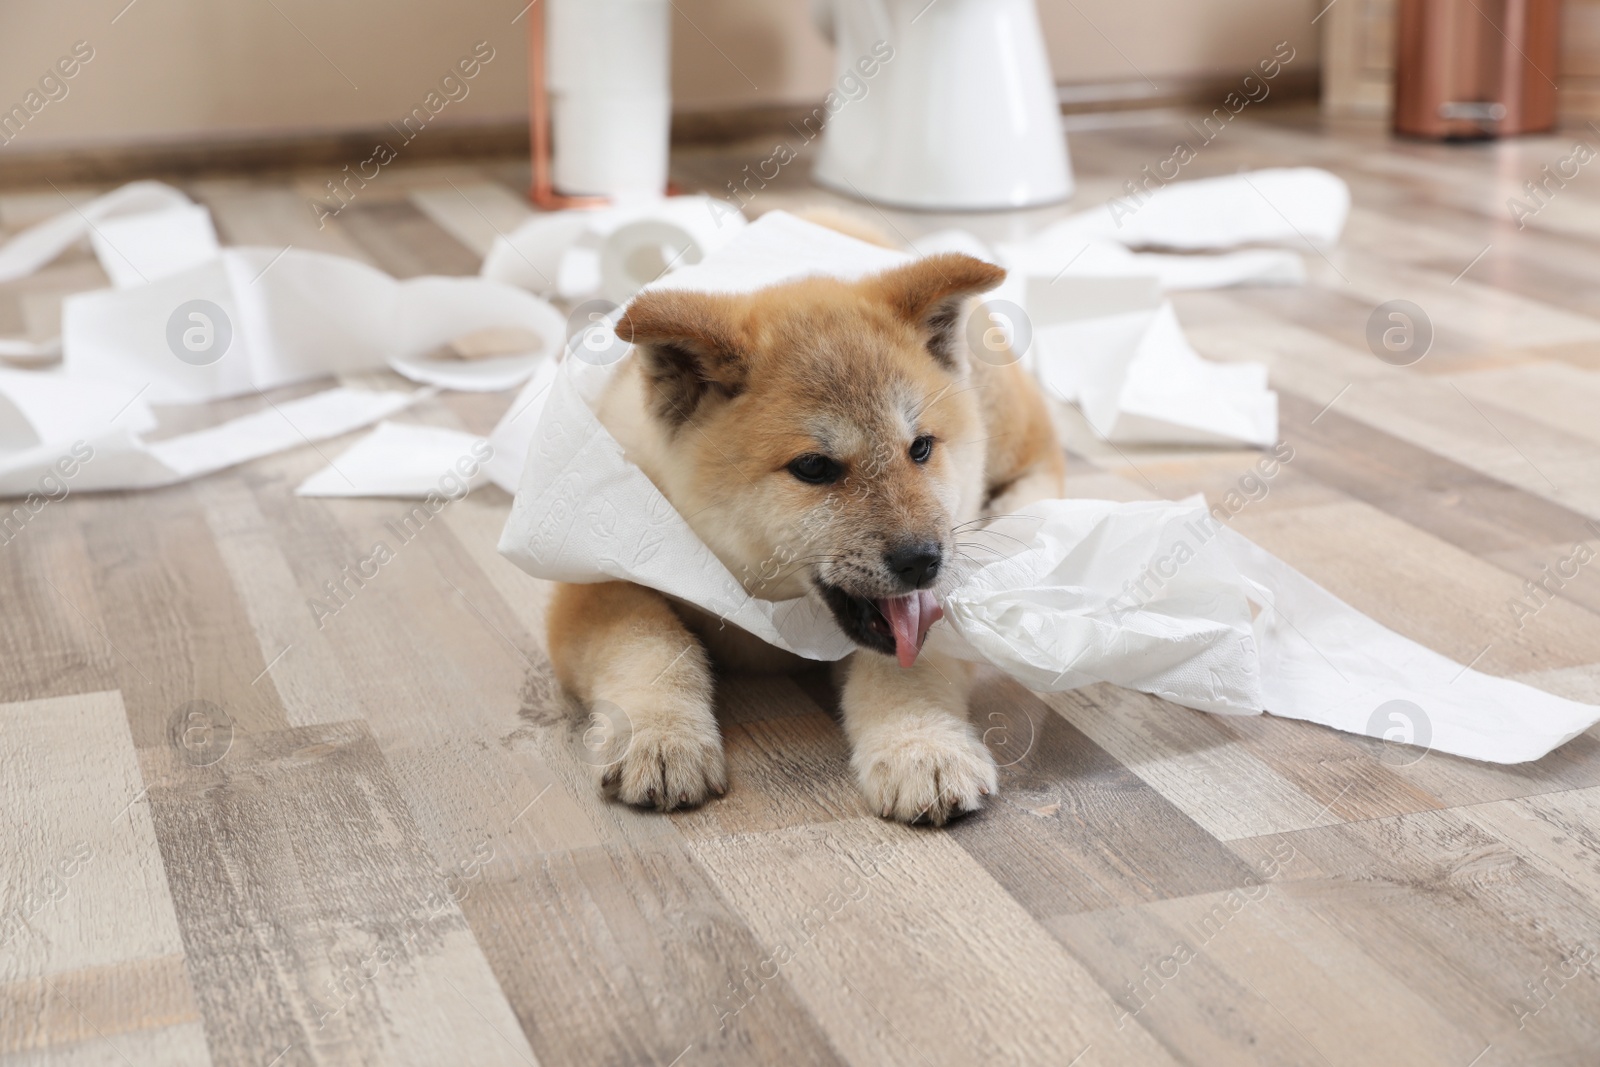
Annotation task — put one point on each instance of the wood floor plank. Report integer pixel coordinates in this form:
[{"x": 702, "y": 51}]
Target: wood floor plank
[
  {"x": 1559, "y": 832},
  {"x": 1424, "y": 588},
  {"x": 1073, "y": 829},
  {"x": 167, "y": 607},
  {"x": 873, "y": 923},
  {"x": 1251, "y": 976},
  {"x": 253, "y": 212},
  {"x": 465, "y": 707},
  {"x": 141, "y": 1011},
  {"x": 1453, "y": 502},
  {"x": 1424, "y": 410},
  {"x": 1458, "y": 916},
  {"x": 318, "y": 924},
  {"x": 313, "y": 688},
  {"x": 90, "y": 950},
  {"x": 474, "y": 213},
  {"x": 1190, "y": 759},
  {"x": 784, "y": 769},
  {"x": 405, "y": 241},
  {"x": 1557, "y": 394},
  {"x": 52, "y": 643},
  {"x": 614, "y": 954}
]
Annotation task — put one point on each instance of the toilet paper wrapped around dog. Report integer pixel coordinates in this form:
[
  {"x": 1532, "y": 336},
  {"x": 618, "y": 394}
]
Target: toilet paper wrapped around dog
[{"x": 1153, "y": 596}]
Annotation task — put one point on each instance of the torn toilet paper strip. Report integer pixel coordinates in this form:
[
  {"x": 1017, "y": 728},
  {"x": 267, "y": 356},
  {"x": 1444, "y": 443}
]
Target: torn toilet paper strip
[
  {"x": 1157, "y": 597},
  {"x": 404, "y": 460},
  {"x": 1063, "y": 255},
  {"x": 1275, "y": 206},
  {"x": 1152, "y": 596},
  {"x": 268, "y": 316},
  {"x": 119, "y": 459},
  {"x": 1138, "y": 381},
  {"x": 130, "y": 254},
  {"x": 273, "y": 317},
  {"x": 41, "y": 407}
]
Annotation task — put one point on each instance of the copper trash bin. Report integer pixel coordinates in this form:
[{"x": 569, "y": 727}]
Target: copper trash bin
[{"x": 1476, "y": 68}]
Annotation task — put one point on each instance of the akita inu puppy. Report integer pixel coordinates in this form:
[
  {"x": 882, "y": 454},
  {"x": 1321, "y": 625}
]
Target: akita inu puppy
[{"x": 830, "y": 439}]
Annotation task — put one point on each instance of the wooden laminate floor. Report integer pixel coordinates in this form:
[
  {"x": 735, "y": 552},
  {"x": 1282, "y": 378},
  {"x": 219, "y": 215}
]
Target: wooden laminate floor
[{"x": 232, "y": 832}]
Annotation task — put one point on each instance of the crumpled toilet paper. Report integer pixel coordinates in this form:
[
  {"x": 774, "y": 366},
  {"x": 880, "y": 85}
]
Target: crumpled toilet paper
[
  {"x": 186, "y": 321},
  {"x": 1138, "y": 381},
  {"x": 286, "y": 315},
  {"x": 1271, "y": 206},
  {"x": 1102, "y": 337},
  {"x": 611, "y": 252},
  {"x": 139, "y": 253},
  {"x": 1157, "y": 597},
  {"x": 116, "y": 457},
  {"x": 401, "y": 459}
]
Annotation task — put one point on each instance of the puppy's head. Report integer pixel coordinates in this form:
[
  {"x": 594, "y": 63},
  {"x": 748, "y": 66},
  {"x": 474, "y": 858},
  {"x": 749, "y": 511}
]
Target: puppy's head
[{"x": 822, "y": 436}]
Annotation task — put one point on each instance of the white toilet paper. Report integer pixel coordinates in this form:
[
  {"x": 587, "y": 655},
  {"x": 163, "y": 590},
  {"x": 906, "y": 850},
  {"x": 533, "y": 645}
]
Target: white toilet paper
[
  {"x": 400, "y": 459},
  {"x": 611, "y": 252},
  {"x": 288, "y": 316},
  {"x": 44, "y": 241},
  {"x": 188, "y": 322},
  {"x": 138, "y": 248},
  {"x": 675, "y": 233},
  {"x": 530, "y": 256},
  {"x": 1273, "y": 206},
  {"x": 1138, "y": 381},
  {"x": 115, "y": 457},
  {"x": 609, "y": 83}
]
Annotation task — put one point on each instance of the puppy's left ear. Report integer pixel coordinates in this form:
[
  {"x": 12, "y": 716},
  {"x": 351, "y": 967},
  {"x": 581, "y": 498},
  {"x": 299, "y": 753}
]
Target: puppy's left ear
[
  {"x": 691, "y": 349},
  {"x": 929, "y": 293}
]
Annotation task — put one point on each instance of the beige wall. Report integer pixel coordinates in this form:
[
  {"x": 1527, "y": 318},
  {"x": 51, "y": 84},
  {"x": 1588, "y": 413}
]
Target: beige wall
[
  {"x": 1130, "y": 40},
  {"x": 185, "y": 68}
]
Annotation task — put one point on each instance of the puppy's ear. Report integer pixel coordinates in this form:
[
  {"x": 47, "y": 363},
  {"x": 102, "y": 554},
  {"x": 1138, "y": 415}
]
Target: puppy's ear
[
  {"x": 929, "y": 293},
  {"x": 690, "y": 349}
]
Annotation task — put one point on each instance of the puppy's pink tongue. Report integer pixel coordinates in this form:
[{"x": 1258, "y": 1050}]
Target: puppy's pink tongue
[{"x": 909, "y": 618}]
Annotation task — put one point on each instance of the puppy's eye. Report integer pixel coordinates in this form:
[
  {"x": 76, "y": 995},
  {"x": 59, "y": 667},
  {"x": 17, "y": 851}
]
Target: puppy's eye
[
  {"x": 921, "y": 449},
  {"x": 814, "y": 468}
]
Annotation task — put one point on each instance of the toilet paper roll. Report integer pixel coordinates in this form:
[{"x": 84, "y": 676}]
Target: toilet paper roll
[
  {"x": 617, "y": 45},
  {"x": 610, "y": 142},
  {"x": 676, "y": 233}
]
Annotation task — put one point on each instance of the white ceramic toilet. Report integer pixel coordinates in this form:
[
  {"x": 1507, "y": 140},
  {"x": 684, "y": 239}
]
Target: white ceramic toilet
[{"x": 962, "y": 116}]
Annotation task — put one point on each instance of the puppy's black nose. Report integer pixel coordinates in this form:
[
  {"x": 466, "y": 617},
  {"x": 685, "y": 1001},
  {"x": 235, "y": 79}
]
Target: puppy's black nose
[{"x": 916, "y": 564}]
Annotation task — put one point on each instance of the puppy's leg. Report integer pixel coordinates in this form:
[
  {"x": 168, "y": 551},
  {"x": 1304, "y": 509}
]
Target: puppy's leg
[
  {"x": 616, "y": 643},
  {"x": 913, "y": 750}
]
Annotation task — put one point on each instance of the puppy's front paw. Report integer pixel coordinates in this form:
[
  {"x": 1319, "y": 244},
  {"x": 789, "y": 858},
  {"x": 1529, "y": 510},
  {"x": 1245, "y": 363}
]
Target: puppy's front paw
[
  {"x": 928, "y": 767},
  {"x": 666, "y": 761}
]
